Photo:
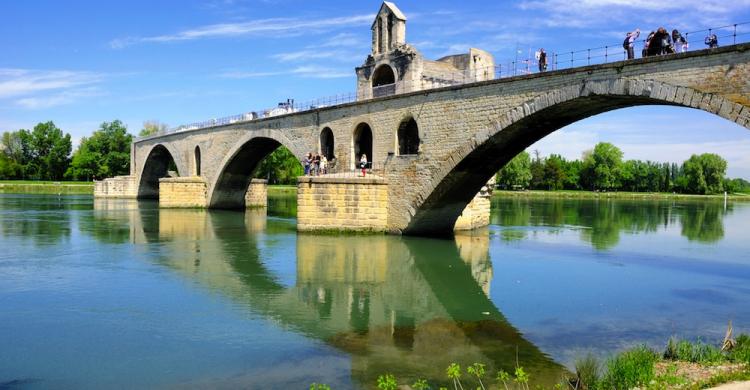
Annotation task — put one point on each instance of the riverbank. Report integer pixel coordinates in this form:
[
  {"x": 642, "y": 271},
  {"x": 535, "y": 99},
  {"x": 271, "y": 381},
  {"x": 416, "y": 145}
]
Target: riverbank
[
  {"x": 87, "y": 188},
  {"x": 46, "y": 187},
  {"x": 618, "y": 195}
]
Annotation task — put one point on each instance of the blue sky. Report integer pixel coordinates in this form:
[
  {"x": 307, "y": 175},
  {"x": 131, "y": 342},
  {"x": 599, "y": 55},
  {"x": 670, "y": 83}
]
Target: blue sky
[{"x": 81, "y": 63}]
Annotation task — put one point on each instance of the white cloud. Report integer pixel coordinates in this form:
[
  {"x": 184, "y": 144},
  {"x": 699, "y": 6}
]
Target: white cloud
[
  {"x": 585, "y": 13},
  {"x": 263, "y": 27},
  {"x": 35, "y": 89},
  {"x": 308, "y": 71},
  {"x": 20, "y": 82},
  {"x": 308, "y": 54}
]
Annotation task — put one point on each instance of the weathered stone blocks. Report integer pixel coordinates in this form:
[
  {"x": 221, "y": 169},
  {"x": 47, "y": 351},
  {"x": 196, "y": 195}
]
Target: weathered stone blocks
[
  {"x": 182, "y": 192},
  {"x": 342, "y": 204}
]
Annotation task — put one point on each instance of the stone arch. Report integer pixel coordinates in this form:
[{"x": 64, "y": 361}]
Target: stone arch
[
  {"x": 230, "y": 186},
  {"x": 327, "y": 144},
  {"x": 383, "y": 75},
  {"x": 197, "y": 160},
  {"x": 362, "y": 143},
  {"x": 155, "y": 167},
  {"x": 407, "y": 137},
  {"x": 442, "y": 198}
]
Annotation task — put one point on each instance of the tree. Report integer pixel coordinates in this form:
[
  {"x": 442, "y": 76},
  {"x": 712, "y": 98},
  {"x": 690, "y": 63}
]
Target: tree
[
  {"x": 279, "y": 167},
  {"x": 602, "y": 166},
  {"x": 537, "y": 172},
  {"x": 703, "y": 174},
  {"x": 47, "y": 151},
  {"x": 554, "y": 173},
  {"x": 105, "y": 154},
  {"x": 517, "y": 173},
  {"x": 152, "y": 128}
]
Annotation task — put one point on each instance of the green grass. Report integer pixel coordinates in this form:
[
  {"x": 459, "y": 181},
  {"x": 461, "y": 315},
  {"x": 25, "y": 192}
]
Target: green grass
[
  {"x": 617, "y": 195},
  {"x": 40, "y": 182},
  {"x": 587, "y": 372},
  {"x": 698, "y": 352},
  {"x": 629, "y": 369},
  {"x": 46, "y": 187}
]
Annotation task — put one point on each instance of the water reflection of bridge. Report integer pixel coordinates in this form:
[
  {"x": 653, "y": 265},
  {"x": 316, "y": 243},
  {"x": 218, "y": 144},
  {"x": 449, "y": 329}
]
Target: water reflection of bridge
[{"x": 405, "y": 306}]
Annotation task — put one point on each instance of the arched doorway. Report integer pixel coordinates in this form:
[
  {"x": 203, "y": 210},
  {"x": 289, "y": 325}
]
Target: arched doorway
[
  {"x": 362, "y": 143},
  {"x": 197, "y": 161},
  {"x": 383, "y": 81},
  {"x": 159, "y": 164},
  {"x": 327, "y": 143},
  {"x": 408, "y": 137}
]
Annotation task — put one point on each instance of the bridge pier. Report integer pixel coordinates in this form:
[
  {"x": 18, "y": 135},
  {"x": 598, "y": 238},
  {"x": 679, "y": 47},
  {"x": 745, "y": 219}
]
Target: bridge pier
[
  {"x": 125, "y": 187},
  {"x": 183, "y": 192},
  {"x": 336, "y": 203},
  {"x": 257, "y": 194},
  {"x": 477, "y": 213}
]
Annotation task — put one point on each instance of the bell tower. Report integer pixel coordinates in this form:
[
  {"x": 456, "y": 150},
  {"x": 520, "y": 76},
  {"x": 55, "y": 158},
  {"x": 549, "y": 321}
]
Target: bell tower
[{"x": 388, "y": 29}]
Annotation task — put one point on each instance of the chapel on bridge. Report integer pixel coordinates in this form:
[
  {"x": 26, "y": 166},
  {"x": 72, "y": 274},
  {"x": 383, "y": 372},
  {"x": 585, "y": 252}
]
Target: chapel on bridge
[{"x": 395, "y": 66}]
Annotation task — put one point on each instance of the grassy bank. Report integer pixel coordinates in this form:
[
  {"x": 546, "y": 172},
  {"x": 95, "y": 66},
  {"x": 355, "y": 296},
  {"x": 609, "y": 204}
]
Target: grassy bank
[
  {"x": 46, "y": 187},
  {"x": 282, "y": 190},
  {"x": 618, "y": 195},
  {"x": 681, "y": 365}
]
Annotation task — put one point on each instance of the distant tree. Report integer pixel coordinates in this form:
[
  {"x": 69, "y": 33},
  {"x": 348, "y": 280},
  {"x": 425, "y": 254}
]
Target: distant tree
[
  {"x": 517, "y": 173},
  {"x": 105, "y": 154},
  {"x": 152, "y": 128},
  {"x": 280, "y": 167},
  {"x": 572, "y": 171},
  {"x": 704, "y": 174},
  {"x": 736, "y": 185},
  {"x": 49, "y": 151},
  {"x": 554, "y": 172},
  {"x": 537, "y": 171},
  {"x": 602, "y": 166}
]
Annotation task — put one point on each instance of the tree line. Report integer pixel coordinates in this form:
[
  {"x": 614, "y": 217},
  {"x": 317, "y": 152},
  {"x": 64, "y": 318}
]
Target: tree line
[
  {"x": 603, "y": 169},
  {"x": 44, "y": 153}
]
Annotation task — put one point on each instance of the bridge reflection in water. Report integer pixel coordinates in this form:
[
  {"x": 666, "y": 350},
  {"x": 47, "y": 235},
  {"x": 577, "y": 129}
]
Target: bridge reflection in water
[{"x": 407, "y": 306}]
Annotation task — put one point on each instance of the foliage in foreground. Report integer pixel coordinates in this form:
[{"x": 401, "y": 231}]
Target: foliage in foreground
[{"x": 633, "y": 368}]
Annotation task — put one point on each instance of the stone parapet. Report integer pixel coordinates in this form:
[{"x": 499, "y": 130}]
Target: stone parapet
[
  {"x": 257, "y": 194},
  {"x": 117, "y": 187},
  {"x": 342, "y": 204},
  {"x": 182, "y": 192}
]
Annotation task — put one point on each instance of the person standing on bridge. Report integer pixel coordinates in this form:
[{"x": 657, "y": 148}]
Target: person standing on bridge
[
  {"x": 363, "y": 164},
  {"x": 629, "y": 43},
  {"x": 306, "y": 163},
  {"x": 712, "y": 41},
  {"x": 679, "y": 42},
  {"x": 542, "y": 60}
]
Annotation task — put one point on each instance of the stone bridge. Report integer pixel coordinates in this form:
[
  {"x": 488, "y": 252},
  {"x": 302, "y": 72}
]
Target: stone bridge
[{"x": 460, "y": 135}]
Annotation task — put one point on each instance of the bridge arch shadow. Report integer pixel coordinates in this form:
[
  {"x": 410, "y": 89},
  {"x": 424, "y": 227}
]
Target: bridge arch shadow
[
  {"x": 480, "y": 157},
  {"x": 158, "y": 164},
  {"x": 229, "y": 189}
]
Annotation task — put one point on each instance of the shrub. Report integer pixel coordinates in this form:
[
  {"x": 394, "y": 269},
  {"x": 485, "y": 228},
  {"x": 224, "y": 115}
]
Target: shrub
[
  {"x": 587, "y": 372},
  {"x": 741, "y": 350},
  {"x": 630, "y": 369}
]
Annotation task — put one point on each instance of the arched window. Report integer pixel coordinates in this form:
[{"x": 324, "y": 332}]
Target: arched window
[
  {"x": 408, "y": 137},
  {"x": 383, "y": 75},
  {"x": 381, "y": 36},
  {"x": 326, "y": 143},
  {"x": 362, "y": 143},
  {"x": 197, "y": 161}
]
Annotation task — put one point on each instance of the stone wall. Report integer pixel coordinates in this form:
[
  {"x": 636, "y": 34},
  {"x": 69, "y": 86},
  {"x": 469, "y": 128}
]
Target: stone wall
[
  {"x": 468, "y": 132},
  {"x": 342, "y": 204},
  {"x": 182, "y": 192},
  {"x": 117, "y": 187},
  {"x": 257, "y": 194}
]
